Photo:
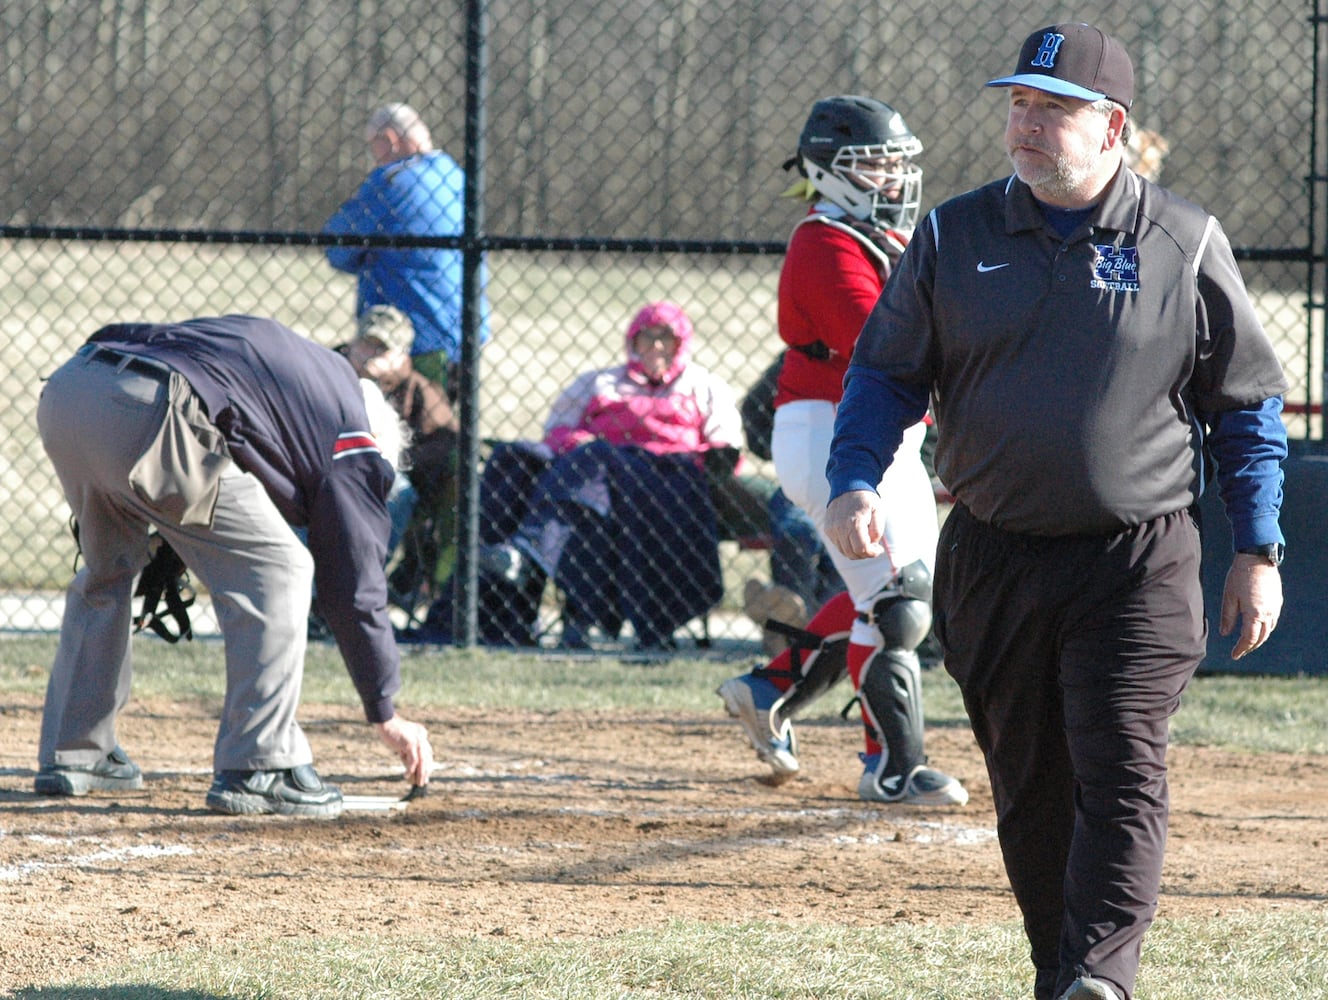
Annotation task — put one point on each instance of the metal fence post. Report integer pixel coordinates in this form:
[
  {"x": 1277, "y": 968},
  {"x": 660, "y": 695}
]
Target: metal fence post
[{"x": 465, "y": 580}]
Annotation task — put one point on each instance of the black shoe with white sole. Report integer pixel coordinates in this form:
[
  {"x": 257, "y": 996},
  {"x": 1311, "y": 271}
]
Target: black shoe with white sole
[
  {"x": 113, "y": 773},
  {"x": 294, "y": 791}
]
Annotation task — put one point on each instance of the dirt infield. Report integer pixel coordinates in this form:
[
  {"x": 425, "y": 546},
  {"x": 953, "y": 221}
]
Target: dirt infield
[{"x": 567, "y": 824}]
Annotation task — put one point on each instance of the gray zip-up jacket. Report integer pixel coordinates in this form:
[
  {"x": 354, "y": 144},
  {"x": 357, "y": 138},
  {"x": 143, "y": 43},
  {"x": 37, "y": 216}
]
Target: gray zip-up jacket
[{"x": 1071, "y": 378}]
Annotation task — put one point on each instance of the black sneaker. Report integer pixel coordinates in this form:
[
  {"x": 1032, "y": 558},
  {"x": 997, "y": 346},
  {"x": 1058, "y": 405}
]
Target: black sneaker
[
  {"x": 295, "y": 791},
  {"x": 317, "y": 629},
  {"x": 113, "y": 773},
  {"x": 422, "y": 635},
  {"x": 1088, "y": 988},
  {"x": 504, "y": 561}
]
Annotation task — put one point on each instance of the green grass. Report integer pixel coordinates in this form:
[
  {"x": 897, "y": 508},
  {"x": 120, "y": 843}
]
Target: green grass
[
  {"x": 1243, "y": 958},
  {"x": 1249, "y": 713},
  {"x": 1257, "y": 714}
]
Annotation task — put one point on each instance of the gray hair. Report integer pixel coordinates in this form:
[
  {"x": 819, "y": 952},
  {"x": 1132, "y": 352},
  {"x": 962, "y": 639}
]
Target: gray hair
[
  {"x": 405, "y": 121},
  {"x": 1106, "y": 106}
]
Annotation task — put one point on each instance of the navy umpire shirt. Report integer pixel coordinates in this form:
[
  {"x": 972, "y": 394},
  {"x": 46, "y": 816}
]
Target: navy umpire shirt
[{"x": 293, "y": 415}]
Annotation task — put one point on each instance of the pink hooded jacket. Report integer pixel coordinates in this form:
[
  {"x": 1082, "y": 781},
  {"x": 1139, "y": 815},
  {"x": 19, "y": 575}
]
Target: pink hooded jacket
[{"x": 689, "y": 410}]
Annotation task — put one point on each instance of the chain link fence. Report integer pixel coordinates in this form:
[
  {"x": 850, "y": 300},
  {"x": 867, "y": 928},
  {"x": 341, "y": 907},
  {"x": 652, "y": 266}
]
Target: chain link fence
[{"x": 176, "y": 158}]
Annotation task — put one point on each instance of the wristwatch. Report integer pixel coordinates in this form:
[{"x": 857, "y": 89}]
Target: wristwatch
[{"x": 1273, "y": 552}]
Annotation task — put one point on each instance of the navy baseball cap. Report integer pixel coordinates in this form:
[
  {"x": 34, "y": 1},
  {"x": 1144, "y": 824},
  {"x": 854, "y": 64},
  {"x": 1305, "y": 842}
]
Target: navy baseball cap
[{"x": 1074, "y": 60}]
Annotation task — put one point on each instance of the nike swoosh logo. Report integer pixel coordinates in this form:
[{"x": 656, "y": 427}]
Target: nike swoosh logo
[{"x": 984, "y": 268}]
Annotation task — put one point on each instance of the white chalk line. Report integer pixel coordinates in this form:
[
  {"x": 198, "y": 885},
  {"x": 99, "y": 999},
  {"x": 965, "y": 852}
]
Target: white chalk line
[{"x": 104, "y": 855}]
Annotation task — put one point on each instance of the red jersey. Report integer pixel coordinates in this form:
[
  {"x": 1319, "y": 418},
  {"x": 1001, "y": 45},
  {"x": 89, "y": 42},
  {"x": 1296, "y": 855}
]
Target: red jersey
[{"x": 832, "y": 276}]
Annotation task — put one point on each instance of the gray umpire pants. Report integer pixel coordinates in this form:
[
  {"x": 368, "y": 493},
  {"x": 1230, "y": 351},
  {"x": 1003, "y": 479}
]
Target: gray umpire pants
[
  {"x": 1072, "y": 654},
  {"x": 132, "y": 448}
]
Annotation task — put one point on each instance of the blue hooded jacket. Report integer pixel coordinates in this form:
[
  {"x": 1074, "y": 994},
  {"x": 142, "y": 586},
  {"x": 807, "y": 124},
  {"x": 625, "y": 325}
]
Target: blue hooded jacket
[{"x": 420, "y": 195}]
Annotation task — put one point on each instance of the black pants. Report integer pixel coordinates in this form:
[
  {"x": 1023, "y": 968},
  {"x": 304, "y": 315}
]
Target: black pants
[{"x": 1072, "y": 654}]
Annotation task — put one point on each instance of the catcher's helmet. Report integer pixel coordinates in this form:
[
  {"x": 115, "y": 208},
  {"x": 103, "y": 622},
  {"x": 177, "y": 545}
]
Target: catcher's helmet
[{"x": 857, "y": 152}]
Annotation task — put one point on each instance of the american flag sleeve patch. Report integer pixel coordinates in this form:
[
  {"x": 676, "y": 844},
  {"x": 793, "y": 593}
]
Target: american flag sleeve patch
[{"x": 353, "y": 443}]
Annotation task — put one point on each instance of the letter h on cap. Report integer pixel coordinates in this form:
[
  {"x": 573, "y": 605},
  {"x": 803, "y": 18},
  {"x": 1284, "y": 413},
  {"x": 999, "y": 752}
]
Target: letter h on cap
[{"x": 1045, "y": 57}]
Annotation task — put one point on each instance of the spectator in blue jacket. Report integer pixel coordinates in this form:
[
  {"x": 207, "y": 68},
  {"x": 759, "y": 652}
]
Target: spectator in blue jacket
[{"x": 414, "y": 190}]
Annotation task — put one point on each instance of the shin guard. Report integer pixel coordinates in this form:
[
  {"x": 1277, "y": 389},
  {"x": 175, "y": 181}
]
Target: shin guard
[
  {"x": 816, "y": 658},
  {"x": 891, "y": 699}
]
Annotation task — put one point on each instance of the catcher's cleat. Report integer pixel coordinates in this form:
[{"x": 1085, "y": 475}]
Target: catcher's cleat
[
  {"x": 925, "y": 786},
  {"x": 751, "y": 700},
  {"x": 113, "y": 773},
  {"x": 294, "y": 791},
  {"x": 1088, "y": 988}
]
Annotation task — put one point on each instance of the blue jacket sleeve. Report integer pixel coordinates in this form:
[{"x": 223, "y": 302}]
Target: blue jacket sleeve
[
  {"x": 355, "y": 217},
  {"x": 869, "y": 426},
  {"x": 1248, "y": 446}
]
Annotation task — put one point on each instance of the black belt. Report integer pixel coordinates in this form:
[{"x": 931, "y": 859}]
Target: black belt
[{"x": 124, "y": 361}]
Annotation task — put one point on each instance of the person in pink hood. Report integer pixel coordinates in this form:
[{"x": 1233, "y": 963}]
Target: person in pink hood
[
  {"x": 614, "y": 504},
  {"x": 659, "y": 400}
]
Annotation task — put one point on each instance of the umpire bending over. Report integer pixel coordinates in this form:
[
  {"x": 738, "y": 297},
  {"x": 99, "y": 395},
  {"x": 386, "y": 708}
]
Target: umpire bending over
[
  {"x": 1089, "y": 346},
  {"x": 223, "y": 433}
]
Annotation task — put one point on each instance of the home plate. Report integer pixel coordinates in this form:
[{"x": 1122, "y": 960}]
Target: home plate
[{"x": 372, "y": 803}]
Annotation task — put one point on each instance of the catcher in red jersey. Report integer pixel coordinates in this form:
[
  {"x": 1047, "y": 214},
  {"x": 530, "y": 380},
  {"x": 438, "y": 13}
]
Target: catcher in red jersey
[{"x": 857, "y": 160}]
